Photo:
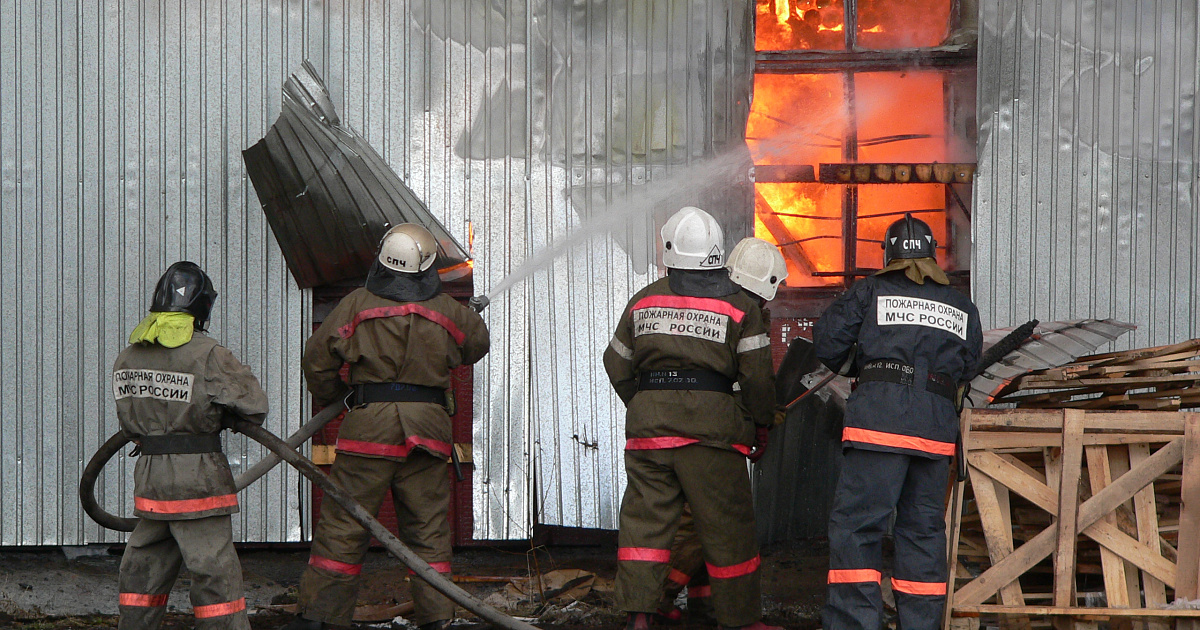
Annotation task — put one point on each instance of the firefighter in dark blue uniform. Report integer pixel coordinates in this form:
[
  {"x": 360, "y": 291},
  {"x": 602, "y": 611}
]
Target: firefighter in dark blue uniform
[{"x": 913, "y": 342}]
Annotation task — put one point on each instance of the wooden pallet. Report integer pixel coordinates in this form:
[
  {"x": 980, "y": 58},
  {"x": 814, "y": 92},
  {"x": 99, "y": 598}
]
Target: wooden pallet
[
  {"x": 1159, "y": 378},
  {"x": 1131, "y": 528}
]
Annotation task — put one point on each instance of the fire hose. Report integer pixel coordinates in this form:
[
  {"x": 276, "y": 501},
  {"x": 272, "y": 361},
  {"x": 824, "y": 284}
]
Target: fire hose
[{"x": 285, "y": 451}]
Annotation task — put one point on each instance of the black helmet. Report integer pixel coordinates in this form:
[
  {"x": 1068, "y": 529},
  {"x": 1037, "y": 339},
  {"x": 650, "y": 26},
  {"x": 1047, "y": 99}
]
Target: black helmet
[
  {"x": 185, "y": 288},
  {"x": 908, "y": 238}
]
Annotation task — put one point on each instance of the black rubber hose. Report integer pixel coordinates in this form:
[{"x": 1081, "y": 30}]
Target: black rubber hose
[
  {"x": 87, "y": 483},
  {"x": 287, "y": 452}
]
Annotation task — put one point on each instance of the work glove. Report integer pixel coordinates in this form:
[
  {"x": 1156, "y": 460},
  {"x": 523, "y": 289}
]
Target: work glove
[{"x": 761, "y": 435}]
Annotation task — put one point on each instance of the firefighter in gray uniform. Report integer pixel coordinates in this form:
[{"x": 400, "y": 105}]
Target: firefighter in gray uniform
[
  {"x": 918, "y": 341},
  {"x": 174, "y": 386},
  {"x": 400, "y": 336},
  {"x": 681, "y": 345}
]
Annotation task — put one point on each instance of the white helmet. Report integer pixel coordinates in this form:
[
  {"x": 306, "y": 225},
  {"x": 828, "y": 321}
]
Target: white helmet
[
  {"x": 757, "y": 266},
  {"x": 407, "y": 248},
  {"x": 692, "y": 239}
]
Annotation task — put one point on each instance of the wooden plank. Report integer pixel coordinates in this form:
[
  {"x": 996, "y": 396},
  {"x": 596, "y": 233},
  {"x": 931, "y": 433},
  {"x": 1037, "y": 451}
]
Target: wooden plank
[
  {"x": 954, "y": 520},
  {"x": 1189, "y": 516},
  {"x": 1146, "y": 515},
  {"x": 994, "y": 440},
  {"x": 1117, "y": 421},
  {"x": 1043, "y": 544},
  {"x": 1076, "y": 611},
  {"x": 997, "y": 530},
  {"x": 1099, "y": 475},
  {"x": 1118, "y": 464},
  {"x": 1068, "y": 499},
  {"x": 1142, "y": 381}
]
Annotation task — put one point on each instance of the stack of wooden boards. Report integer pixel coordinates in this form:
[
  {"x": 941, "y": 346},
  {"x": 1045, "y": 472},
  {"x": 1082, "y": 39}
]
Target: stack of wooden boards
[
  {"x": 1161, "y": 378},
  {"x": 1074, "y": 517}
]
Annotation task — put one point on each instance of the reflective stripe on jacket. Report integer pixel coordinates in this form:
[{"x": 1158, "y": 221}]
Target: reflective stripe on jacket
[
  {"x": 660, "y": 330},
  {"x": 384, "y": 341},
  {"x": 930, "y": 326},
  {"x": 187, "y": 390}
]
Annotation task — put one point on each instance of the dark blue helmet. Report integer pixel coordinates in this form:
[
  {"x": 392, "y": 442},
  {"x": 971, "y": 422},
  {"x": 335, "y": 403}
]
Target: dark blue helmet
[{"x": 908, "y": 238}]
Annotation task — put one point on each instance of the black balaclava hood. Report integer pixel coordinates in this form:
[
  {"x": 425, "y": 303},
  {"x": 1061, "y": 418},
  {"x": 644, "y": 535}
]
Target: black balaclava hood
[
  {"x": 403, "y": 287},
  {"x": 701, "y": 282}
]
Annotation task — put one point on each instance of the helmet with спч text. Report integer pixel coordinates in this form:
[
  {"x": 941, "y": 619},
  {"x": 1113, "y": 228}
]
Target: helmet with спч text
[
  {"x": 692, "y": 239},
  {"x": 908, "y": 238},
  {"x": 757, "y": 266},
  {"x": 407, "y": 248},
  {"x": 185, "y": 288}
]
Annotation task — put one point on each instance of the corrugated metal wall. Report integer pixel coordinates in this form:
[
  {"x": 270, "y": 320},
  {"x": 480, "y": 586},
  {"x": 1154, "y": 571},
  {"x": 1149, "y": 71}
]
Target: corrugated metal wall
[
  {"x": 121, "y": 126},
  {"x": 1086, "y": 193}
]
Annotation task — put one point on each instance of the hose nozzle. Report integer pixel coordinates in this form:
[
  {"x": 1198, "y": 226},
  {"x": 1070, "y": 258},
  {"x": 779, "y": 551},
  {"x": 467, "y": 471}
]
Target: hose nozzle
[{"x": 478, "y": 303}]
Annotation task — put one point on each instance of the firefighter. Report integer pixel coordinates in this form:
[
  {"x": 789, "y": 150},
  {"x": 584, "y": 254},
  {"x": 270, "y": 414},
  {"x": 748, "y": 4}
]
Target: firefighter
[
  {"x": 400, "y": 336},
  {"x": 681, "y": 346},
  {"x": 174, "y": 386},
  {"x": 758, "y": 268},
  {"x": 917, "y": 341}
]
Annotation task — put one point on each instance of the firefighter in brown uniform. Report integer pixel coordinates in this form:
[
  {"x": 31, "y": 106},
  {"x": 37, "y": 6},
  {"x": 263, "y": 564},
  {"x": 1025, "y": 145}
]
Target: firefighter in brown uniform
[
  {"x": 681, "y": 346},
  {"x": 758, "y": 268},
  {"x": 401, "y": 336},
  {"x": 173, "y": 386}
]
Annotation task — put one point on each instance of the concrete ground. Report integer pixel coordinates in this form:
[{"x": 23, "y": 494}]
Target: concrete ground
[{"x": 77, "y": 587}]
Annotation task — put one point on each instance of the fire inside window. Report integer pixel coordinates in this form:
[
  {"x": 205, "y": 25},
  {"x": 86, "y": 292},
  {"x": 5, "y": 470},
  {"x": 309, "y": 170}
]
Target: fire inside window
[{"x": 863, "y": 110}]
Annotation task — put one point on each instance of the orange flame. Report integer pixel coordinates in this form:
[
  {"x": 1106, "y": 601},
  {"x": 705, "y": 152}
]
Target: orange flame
[{"x": 900, "y": 118}]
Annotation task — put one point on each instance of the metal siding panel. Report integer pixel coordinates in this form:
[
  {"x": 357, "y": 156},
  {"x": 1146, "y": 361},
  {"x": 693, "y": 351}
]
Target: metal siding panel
[
  {"x": 122, "y": 125},
  {"x": 1086, "y": 189}
]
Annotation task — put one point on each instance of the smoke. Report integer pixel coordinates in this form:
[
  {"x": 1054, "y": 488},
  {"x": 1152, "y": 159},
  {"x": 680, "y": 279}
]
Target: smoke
[{"x": 796, "y": 142}]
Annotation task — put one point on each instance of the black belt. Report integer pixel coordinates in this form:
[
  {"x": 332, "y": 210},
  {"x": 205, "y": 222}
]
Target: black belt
[
  {"x": 367, "y": 393},
  {"x": 700, "y": 380},
  {"x": 902, "y": 373},
  {"x": 179, "y": 443}
]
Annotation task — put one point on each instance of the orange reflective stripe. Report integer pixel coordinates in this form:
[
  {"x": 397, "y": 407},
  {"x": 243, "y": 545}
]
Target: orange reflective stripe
[
  {"x": 440, "y": 567},
  {"x": 142, "y": 599},
  {"x": 655, "y": 443},
  {"x": 895, "y": 440},
  {"x": 440, "y": 319},
  {"x": 737, "y": 570},
  {"x": 345, "y": 568},
  {"x": 919, "y": 588},
  {"x": 679, "y": 577},
  {"x": 696, "y": 592},
  {"x": 644, "y": 554},
  {"x": 185, "y": 505},
  {"x": 712, "y": 305},
  {"x": 219, "y": 610},
  {"x": 853, "y": 576}
]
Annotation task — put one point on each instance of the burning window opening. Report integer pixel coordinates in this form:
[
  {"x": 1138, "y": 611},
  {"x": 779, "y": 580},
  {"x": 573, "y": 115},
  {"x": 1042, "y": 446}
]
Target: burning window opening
[
  {"x": 843, "y": 150},
  {"x": 879, "y": 24}
]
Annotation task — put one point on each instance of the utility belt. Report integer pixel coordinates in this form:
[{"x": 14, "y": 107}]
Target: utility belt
[
  {"x": 178, "y": 444},
  {"x": 901, "y": 373},
  {"x": 695, "y": 380},
  {"x": 367, "y": 393}
]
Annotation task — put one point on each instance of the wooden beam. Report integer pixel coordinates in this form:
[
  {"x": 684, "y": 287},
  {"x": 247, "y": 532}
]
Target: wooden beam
[
  {"x": 1099, "y": 475},
  {"x": 1146, "y": 514},
  {"x": 1075, "y": 611},
  {"x": 1068, "y": 499},
  {"x": 1189, "y": 516},
  {"x": 997, "y": 530}
]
